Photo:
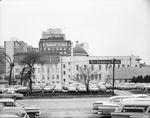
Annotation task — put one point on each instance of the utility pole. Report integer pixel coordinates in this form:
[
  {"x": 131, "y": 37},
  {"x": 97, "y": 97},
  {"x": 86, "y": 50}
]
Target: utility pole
[{"x": 113, "y": 75}]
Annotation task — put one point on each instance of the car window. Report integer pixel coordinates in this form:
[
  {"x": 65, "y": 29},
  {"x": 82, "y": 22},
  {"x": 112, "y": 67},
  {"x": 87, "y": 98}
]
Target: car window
[
  {"x": 116, "y": 100},
  {"x": 9, "y": 104}
]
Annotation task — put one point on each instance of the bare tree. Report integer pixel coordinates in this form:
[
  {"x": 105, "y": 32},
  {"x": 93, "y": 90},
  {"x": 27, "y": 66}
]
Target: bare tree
[
  {"x": 28, "y": 62},
  {"x": 85, "y": 75},
  {"x": 11, "y": 66}
]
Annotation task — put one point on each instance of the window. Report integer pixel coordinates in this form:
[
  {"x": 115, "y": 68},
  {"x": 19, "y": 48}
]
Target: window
[
  {"x": 92, "y": 67},
  {"x": 47, "y": 70},
  {"x": 123, "y": 65},
  {"x": 48, "y": 78},
  {"x": 42, "y": 70},
  {"x": 100, "y": 76},
  {"x": 100, "y": 67},
  {"x": 135, "y": 65},
  {"x": 64, "y": 72},
  {"x": 84, "y": 67},
  {"x": 57, "y": 81},
  {"x": 69, "y": 69},
  {"x": 77, "y": 67},
  {"x": 43, "y": 77},
  {"x": 95, "y": 77},
  {"x": 52, "y": 70},
  {"x": 53, "y": 76},
  {"x": 57, "y": 70},
  {"x": 57, "y": 76},
  {"x": 68, "y": 63},
  {"x": 118, "y": 66},
  {"x": 64, "y": 66},
  {"x": 17, "y": 70}
]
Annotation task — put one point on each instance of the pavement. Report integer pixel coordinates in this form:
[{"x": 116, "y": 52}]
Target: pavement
[{"x": 122, "y": 92}]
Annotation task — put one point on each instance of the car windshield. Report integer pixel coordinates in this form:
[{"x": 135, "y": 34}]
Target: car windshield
[{"x": 18, "y": 104}]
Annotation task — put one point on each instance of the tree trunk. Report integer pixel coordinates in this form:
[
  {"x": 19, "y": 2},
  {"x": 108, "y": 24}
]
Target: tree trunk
[
  {"x": 10, "y": 76},
  {"x": 30, "y": 83}
]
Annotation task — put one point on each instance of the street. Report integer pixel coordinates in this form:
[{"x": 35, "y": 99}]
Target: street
[{"x": 64, "y": 108}]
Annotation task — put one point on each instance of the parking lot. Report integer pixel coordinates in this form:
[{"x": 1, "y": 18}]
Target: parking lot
[{"x": 65, "y": 108}]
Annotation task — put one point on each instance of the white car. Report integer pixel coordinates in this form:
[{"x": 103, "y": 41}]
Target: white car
[
  {"x": 93, "y": 87},
  {"x": 19, "y": 111},
  {"x": 111, "y": 100},
  {"x": 81, "y": 88},
  {"x": 72, "y": 87},
  {"x": 9, "y": 103}
]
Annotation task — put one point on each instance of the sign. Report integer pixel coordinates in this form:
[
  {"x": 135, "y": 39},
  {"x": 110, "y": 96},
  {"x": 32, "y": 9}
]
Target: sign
[{"x": 104, "y": 61}]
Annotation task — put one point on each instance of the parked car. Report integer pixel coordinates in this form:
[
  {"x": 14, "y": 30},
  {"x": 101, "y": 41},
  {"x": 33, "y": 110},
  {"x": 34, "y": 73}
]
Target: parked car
[
  {"x": 106, "y": 109},
  {"x": 128, "y": 86},
  {"x": 36, "y": 89},
  {"x": 5, "y": 110},
  {"x": 81, "y": 87},
  {"x": 119, "y": 85},
  {"x": 13, "y": 95},
  {"x": 111, "y": 100},
  {"x": 72, "y": 88},
  {"x": 102, "y": 88},
  {"x": 132, "y": 108},
  {"x": 32, "y": 111},
  {"x": 48, "y": 89},
  {"x": 8, "y": 116},
  {"x": 93, "y": 87},
  {"x": 58, "y": 87},
  {"x": 23, "y": 89}
]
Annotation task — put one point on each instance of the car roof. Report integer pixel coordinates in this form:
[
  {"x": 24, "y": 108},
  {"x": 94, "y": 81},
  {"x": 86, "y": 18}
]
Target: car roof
[
  {"x": 141, "y": 101},
  {"x": 118, "y": 97},
  {"x": 6, "y": 100}
]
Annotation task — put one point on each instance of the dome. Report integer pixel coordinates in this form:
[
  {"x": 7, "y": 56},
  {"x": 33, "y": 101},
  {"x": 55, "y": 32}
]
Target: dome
[{"x": 78, "y": 51}]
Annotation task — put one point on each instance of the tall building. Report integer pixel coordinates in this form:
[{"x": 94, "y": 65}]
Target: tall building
[
  {"x": 2, "y": 63},
  {"x": 54, "y": 42}
]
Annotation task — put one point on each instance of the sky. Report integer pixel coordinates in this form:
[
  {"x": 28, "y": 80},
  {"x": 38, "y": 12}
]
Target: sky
[{"x": 110, "y": 27}]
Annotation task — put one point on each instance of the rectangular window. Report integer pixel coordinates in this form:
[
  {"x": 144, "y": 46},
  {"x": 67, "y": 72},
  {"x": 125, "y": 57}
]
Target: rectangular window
[
  {"x": 123, "y": 65},
  {"x": 53, "y": 76},
  {"x": 43, "y": 77},
  {"x": 68, "y": 63},
  {"x": 77, "y": 67},
  {"x": 42, "y": 70},
  {"x": 57, "y": 70},
  {"x": 64, "y": 66},
  {"x": 52, "y": 70},
  {"x": 84, "y": 67},
  {"x": 48, "y": 78},
  {"x": 100, "y": 67},
  {"x": 95, "y": 77},
  {"x": 57, "y": 76},
  {"x": 47, "y": 70},
  {"x": 100, "y": 76},
  {"x": 92, "y": 67},
  {"x": 64, "y": 72}
]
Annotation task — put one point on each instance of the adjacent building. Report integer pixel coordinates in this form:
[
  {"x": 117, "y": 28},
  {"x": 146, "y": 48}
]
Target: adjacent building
[{"x": 54, "y": 42}]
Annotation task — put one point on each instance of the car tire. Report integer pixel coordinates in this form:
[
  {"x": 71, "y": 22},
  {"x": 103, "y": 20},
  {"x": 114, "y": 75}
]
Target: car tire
[{"x": 31, "y": 115}]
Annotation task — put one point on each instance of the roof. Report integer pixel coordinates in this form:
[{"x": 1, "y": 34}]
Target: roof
[
  {"x": 6, "y": 100},
  {"x": 129, "y": 72},
  {"x": 136, "y": 102},
  {"x": 78, "y": 51}
]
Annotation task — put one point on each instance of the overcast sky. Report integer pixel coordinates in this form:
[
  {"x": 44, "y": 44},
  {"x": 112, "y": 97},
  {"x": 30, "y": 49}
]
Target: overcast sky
[{"x": 111, "y": 27}]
